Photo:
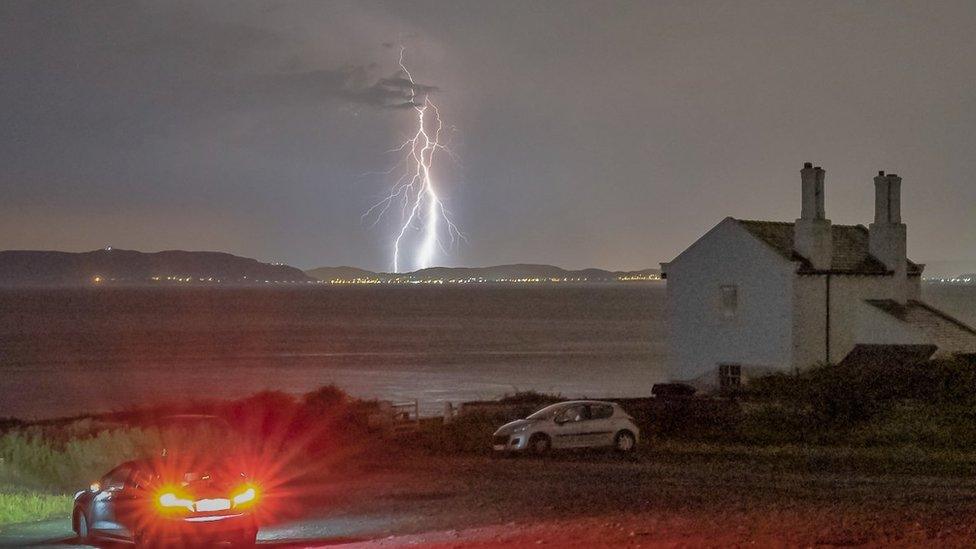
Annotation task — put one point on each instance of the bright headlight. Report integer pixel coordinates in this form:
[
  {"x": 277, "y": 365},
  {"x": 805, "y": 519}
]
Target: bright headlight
[
  {"x": 247, "y": 495},
  {"x": 169, "y": 500}
]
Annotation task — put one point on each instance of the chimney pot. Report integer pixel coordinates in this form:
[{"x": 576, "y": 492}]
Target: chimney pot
[
  {"x": 812, "y": 233},
  {"x": 887, "y": 235}
]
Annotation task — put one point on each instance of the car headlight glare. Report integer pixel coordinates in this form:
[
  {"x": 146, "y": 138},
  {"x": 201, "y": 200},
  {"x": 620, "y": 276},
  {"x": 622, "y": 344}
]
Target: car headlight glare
[
  {"x": 246, "y": 496},
  {"x": 170, "y": 500}
]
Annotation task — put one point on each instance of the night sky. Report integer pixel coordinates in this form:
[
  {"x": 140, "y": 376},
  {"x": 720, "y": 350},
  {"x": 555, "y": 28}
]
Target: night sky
[{"x": 588, "y": 133}]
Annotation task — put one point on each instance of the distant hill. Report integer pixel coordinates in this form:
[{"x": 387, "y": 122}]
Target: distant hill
[
  {"x": 522, "y": 272},
  {"x": 121, "y": 267}
]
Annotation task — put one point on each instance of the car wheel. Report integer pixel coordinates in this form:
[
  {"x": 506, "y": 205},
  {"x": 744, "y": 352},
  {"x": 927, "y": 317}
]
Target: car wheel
[
  {"x": 82, "y": 527},
  {"x": 540, "y": 444},
  {"x": 625, "y": 442}
]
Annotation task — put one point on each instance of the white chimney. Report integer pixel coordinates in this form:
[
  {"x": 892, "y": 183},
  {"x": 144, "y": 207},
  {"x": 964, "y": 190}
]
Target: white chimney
[
  {"x": 812, "y": 237},
  {"x": 888, "y": 235}
]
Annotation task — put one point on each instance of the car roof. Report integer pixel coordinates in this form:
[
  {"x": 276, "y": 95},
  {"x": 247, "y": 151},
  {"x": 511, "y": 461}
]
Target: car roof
[{"x": 570, "y": 402}]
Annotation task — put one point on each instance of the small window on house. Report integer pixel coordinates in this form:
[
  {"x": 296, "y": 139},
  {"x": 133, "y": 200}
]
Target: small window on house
[
  {"x": 730, "y": 300},
  {"x": 729, "y": 376}
]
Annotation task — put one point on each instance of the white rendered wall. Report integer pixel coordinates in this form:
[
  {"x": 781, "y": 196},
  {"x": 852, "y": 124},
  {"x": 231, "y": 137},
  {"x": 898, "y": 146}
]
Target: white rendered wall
[
  {"x": 809, "y": 321},
  {"x": 875, "y": 326},
  {"x": 700, "y": 337},
  {"x": 847, "y": 295}
]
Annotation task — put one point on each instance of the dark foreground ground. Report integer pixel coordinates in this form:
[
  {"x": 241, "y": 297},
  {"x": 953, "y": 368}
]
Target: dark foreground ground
[{"x": 594, "y": 500}]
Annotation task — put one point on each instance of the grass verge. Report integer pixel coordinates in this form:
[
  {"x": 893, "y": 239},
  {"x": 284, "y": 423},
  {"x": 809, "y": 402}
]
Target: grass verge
[{"x": 19, "y": 506}]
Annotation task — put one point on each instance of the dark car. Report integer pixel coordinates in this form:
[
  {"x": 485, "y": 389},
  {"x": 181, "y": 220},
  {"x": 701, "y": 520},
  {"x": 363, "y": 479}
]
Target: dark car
[
  {"x": 193, "y": 494},
  {"x": 151, "y": 502}
]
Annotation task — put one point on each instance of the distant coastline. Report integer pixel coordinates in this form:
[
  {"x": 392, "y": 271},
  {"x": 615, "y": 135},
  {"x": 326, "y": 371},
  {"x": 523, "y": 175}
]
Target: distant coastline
[
  {"x": 521, "y": 273},
  {"x": 115, "y": 267}
]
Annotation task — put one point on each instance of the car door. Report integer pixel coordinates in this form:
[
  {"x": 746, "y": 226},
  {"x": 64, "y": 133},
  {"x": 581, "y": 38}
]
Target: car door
[
  {"x": 570, "y": 423},
  {"x": 104, "y": 517},
  {"x": 130, "y": 504},
  {"x": 600, "y": 428}
]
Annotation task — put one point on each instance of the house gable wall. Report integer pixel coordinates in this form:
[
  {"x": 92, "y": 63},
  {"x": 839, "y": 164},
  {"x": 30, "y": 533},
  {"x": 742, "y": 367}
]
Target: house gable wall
[{"x": 700, "y": 336}]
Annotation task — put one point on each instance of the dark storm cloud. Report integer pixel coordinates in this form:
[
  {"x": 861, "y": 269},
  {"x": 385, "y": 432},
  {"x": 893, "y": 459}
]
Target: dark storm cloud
[{"x": 348, "y": 83}]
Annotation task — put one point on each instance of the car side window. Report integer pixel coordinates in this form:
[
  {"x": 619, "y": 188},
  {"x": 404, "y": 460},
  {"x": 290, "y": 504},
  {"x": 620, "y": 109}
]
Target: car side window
[
  {"x": 601, "y": 411},
  {"x": 570, "y": 414},
  {"x": 115, "y": 479},
  {"x": 140, "y": 478}
]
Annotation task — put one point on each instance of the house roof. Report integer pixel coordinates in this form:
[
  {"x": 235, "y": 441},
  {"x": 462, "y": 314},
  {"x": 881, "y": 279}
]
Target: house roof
[
  {"x": 887, "y": 355},
  {"x": 949, "y": 333},
  {"x": 850, "y": 247}
]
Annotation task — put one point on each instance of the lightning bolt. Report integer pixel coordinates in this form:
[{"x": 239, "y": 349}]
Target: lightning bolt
[{"x": 415, "y": 190}]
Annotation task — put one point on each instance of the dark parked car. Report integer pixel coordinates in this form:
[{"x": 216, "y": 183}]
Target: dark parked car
[
  {"x": 196, "y": 491},
  {"x": 151, "y": 502}
]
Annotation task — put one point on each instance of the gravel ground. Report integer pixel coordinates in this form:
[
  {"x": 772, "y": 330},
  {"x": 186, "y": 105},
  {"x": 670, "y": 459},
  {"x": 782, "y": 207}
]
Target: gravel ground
[{"x": 601, "y": 501}]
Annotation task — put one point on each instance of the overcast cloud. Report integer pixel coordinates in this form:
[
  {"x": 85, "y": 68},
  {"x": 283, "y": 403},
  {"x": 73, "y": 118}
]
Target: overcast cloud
[{"x": 589, "y": 133}]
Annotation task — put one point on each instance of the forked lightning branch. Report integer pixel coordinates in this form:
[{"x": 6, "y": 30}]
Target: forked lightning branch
[{"x": 424, "y": 225}]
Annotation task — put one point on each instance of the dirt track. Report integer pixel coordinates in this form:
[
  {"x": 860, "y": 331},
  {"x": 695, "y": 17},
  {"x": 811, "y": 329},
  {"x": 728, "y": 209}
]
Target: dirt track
[{"x": 599, "y": 500}]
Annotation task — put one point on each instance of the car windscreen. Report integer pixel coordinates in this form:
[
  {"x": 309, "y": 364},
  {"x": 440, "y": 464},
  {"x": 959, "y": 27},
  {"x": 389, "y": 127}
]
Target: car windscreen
[{"x": 547, "y": 412}]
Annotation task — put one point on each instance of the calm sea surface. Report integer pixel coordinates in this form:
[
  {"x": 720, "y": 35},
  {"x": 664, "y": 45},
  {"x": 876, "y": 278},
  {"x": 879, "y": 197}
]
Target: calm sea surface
[
  {"x": 65, "y": 352},
  {"x": 71, "y": 351}
]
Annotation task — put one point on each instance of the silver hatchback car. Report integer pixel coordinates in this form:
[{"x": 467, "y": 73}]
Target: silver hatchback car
[{"x": 571, "y": 424}]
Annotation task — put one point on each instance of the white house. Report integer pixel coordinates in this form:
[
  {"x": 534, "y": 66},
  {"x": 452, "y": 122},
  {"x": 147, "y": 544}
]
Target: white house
[{"x": 757, "y": 296}]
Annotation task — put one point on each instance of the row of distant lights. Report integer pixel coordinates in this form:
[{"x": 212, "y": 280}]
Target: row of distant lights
[
  {"x": 475, "y": 280},
  {"x": 480, "y": 280},
  {"x": 953, "y": 280},
  {"x": 190, "y": 279}
]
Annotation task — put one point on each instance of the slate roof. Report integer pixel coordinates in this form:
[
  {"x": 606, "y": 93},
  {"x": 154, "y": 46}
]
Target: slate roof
[
  {"x": 887, "y": 356},
  {"x": 850, "y": 247},
  {"x": 950, "y": 334}
]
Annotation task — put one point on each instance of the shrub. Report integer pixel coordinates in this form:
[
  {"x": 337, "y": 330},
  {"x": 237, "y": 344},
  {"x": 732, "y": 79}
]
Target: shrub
[
  {"x": 530, "y": 398},
  {"x": 325, "y": 398},
  {"x": 932, "y": 403},
  {"x": 775, "y": 423},
  {"x": 30, "y": 458},
  {"x": 916, "y": 423},
  {"x": 468, "y": 433}
]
